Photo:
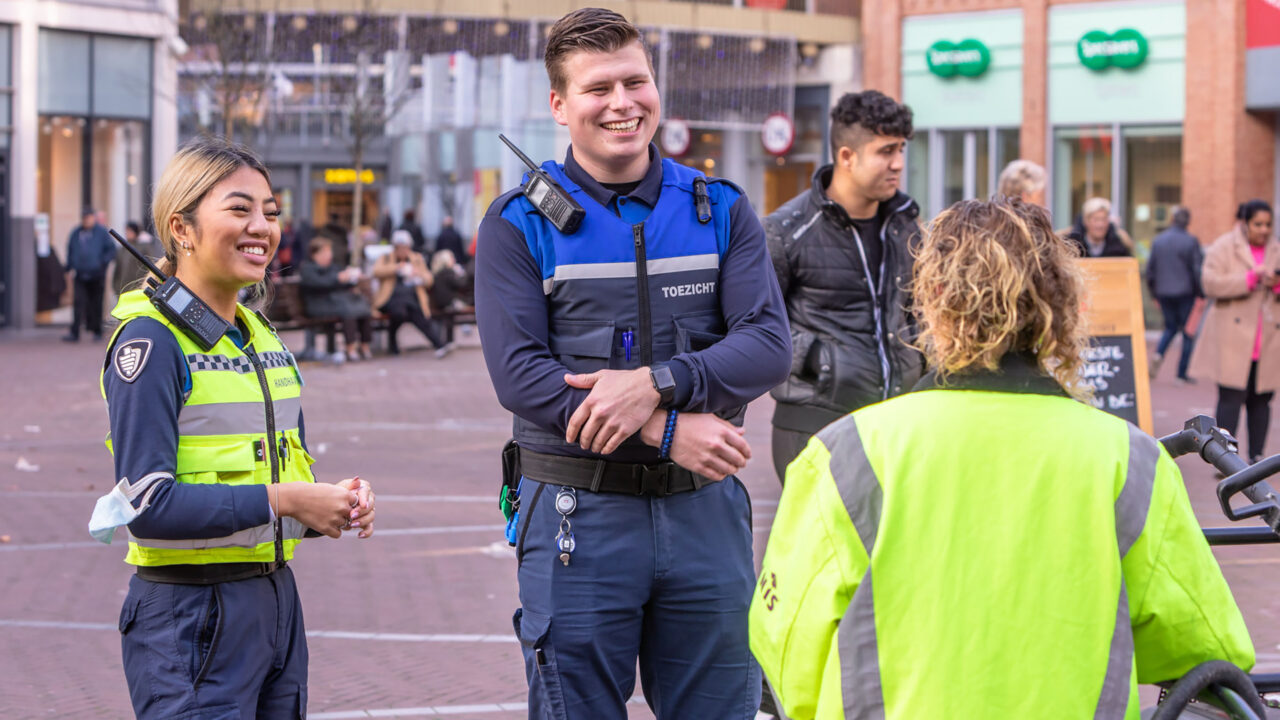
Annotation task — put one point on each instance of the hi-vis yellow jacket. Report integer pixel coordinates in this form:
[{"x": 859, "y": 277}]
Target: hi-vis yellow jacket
[
  {"x": 239, "y": 425},
  {"x": 983, "y": 552}
]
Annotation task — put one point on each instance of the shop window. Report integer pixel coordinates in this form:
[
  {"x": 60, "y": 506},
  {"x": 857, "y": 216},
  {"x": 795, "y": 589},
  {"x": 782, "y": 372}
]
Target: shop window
[
  {"x": 6, "y": 90},
  {"x": 59, "y": 176},
  {"x": 117, "y": 188},
  {"x": 918, "y": 169},
  {"x": 122, "y": 77},
  {"x": 1153, "y": 181},
  {"x": 966, "y": 170},
  {"x": 1008, "y": 149},
  {"x": 1082, "y": 168},
  {"x": 63, "y": 85}
]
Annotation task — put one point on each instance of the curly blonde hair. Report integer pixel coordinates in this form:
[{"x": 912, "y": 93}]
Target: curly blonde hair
[{"x": 993, "y": 278}]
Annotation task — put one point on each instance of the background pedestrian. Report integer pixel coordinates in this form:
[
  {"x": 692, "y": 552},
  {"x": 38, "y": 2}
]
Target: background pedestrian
[
  {"x": 89, "y": 251},
  {"x": 1239, "y": 347},
  {"x": 1173, "y": 275}
]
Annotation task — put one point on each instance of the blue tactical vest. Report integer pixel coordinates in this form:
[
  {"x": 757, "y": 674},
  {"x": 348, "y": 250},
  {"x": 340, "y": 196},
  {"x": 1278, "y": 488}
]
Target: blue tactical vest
[{"x": 654, "y": 282}]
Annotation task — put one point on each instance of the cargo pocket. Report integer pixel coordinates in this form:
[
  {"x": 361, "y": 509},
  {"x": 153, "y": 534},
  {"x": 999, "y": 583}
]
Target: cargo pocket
[
  {"x": 129, "y": 611},
  {"x": 210, "y": 631},
  {"x": 582, "y": 345},
  {"x": 533, "y": 630}
]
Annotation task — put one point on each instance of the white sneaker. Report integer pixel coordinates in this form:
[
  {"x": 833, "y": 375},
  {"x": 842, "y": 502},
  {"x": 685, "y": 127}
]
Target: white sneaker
[
  {"x": 337, "y": 358},
  {"x": 444, "y": 350}
]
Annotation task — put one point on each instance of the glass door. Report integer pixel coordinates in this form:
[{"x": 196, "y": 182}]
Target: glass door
[
  {"x": 1152, "y": 181},
  {"x": 1083, "y": 168}
]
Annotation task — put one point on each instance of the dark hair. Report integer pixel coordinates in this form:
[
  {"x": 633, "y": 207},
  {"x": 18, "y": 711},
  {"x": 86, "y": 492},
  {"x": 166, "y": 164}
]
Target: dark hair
[
  {"x": 134, "y": 226},
  {"x": 317, "y": 244},
  {"x": 592, "y": 30},
  {"x": 1247, "y": 210},
  {"x": 1181, "y": 217},
  {"x": 857, "y": 116}
]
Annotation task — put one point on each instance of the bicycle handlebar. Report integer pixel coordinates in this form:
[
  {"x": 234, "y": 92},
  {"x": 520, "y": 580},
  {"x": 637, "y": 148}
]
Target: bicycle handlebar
[{"x": 1201, "y": 435}]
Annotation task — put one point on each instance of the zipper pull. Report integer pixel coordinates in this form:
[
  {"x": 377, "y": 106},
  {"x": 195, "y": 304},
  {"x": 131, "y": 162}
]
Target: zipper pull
[{"x": 628, "y": 341}]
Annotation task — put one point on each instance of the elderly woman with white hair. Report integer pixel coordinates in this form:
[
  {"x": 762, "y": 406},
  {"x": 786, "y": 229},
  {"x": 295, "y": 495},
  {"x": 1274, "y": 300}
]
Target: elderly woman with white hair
[
  {"x": 403, "y": 281},
  {"x": 1096, "y": 234},
  {"x": 1024, "y": 180}
]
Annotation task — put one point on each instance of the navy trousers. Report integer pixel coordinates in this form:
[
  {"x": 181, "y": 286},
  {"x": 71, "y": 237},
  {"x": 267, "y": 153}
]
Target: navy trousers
[
  {"x": 667, "y": 580},
  {"x": 232, "y": 651},
  {"x": 1176, "y": 311}
]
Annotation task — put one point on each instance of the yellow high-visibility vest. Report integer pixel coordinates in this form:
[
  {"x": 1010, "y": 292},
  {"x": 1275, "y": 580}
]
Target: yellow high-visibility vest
[{"x": 239, "y": 425}]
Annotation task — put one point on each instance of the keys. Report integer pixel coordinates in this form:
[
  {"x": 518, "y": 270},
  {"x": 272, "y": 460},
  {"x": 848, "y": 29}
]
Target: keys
[{"x": 566, "y": 503}]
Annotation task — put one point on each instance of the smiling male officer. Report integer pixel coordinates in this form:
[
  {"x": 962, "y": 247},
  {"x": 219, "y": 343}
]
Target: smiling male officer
[{"x": 621, "y": 348}]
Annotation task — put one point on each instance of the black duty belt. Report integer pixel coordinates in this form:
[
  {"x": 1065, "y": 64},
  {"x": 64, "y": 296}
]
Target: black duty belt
[
  {"x": 210, "y": 574},
  {"x": 665, "y": 478}
]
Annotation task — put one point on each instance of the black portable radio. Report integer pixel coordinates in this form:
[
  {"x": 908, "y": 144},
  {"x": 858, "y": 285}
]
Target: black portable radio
[
  {"x": 551, "y": 201},
  {"x": 178, "y": 304}
]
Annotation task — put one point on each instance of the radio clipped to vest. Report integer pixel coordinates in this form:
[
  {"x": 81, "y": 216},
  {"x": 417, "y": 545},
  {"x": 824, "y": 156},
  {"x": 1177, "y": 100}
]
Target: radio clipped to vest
[
  {"x": 548, "y": 198},
  {"x": 178, "y": 304}
]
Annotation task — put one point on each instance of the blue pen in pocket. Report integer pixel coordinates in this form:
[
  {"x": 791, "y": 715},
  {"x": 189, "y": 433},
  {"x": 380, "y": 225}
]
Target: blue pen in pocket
[{"x": 628, "y": 341}]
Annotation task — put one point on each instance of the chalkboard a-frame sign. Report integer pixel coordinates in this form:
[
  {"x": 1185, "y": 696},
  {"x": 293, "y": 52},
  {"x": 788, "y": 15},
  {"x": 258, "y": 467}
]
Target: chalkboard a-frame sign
[{"x": 1116, "y": 362}]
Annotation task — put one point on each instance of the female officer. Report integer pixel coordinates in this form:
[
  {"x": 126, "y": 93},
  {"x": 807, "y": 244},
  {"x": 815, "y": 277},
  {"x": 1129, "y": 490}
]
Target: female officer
[{"x": 215, "y": 482}]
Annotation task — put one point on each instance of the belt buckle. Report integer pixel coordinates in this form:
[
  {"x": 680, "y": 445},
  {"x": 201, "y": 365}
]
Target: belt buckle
[{"x": 655, "y": 479}]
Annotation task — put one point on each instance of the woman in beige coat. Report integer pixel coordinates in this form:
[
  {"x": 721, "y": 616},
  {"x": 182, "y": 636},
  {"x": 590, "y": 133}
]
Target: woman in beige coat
[
  {"x": 403, "y": 280},
  {"x": 1239, "y": 348}
]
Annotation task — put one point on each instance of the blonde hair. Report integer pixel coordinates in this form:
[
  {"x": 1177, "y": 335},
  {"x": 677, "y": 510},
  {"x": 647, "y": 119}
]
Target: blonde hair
[
  {"x": 1093, "y": 205},
  {"x": 199, "y": 164},
  {"x": 442, "y": 260},
  {"x": 993, "y": 278},
  {"x": 1021, "y": 178}
]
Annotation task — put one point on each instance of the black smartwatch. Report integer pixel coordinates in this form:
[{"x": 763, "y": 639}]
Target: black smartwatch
[{"x": 664, "y": 382}]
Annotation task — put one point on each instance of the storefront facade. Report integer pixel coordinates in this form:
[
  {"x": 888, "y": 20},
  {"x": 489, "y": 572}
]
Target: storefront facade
[
  {"x": 85, "y": 121},
  {"x": 962, "y": 78},
  {"x": 1100, "y": 93}
]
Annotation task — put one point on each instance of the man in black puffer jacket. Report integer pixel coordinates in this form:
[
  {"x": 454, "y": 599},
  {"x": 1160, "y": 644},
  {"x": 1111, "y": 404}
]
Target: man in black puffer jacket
[{"x": 842, "y": 254}]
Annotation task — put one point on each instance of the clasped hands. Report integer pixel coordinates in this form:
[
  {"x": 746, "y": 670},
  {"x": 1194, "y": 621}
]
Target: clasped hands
[
  {"x": 622, "y": 402},
  {"x": 327, "y": 508}
]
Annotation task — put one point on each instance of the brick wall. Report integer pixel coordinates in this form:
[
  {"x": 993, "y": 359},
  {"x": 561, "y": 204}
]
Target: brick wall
[{"x": 1228, "y": 154}]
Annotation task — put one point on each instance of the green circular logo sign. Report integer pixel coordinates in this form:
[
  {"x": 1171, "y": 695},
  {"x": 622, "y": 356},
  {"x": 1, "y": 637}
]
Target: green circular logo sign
[
  {"x": 1125, "y": 48},
  {"x": 968, "y": 57}
]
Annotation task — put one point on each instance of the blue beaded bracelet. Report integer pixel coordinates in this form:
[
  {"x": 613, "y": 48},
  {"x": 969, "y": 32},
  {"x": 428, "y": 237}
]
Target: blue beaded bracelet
[{"x": 668, "y": 433}]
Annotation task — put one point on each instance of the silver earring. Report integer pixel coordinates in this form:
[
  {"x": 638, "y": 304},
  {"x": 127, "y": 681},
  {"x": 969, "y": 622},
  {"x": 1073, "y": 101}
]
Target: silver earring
[{"x": 187, "y": 248}]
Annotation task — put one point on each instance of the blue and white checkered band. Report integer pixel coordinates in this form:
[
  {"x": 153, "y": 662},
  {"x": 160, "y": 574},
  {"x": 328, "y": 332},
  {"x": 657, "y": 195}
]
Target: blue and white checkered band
[{"x": 275, "y": 359}]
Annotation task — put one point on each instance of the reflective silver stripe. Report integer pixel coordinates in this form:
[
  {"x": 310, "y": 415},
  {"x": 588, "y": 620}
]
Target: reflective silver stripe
[
  {"x": 805, "y": 227},
  {"x": 247, "y": 538},
  {"x": 860, "y": 685},
  {"x": 863, "y": 499},
  {"x": 1131, "y": 510},
  {"x": 684, "y": 263},
  {"x": 1135, "y": 497},
  {"x": 855, "y": 479},
  {"x": 238, "y": 418},
  {"x": 133, "y": 490},
  {"x": 1114, "y": 698},
  {"x": 658, "y": 266}
]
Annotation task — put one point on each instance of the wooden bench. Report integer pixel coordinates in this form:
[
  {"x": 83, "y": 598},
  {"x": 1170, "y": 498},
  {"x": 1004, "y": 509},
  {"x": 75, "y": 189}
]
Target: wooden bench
[
  {"x": 287, "y": 312},
  {"x": 451, "y": 317}
]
